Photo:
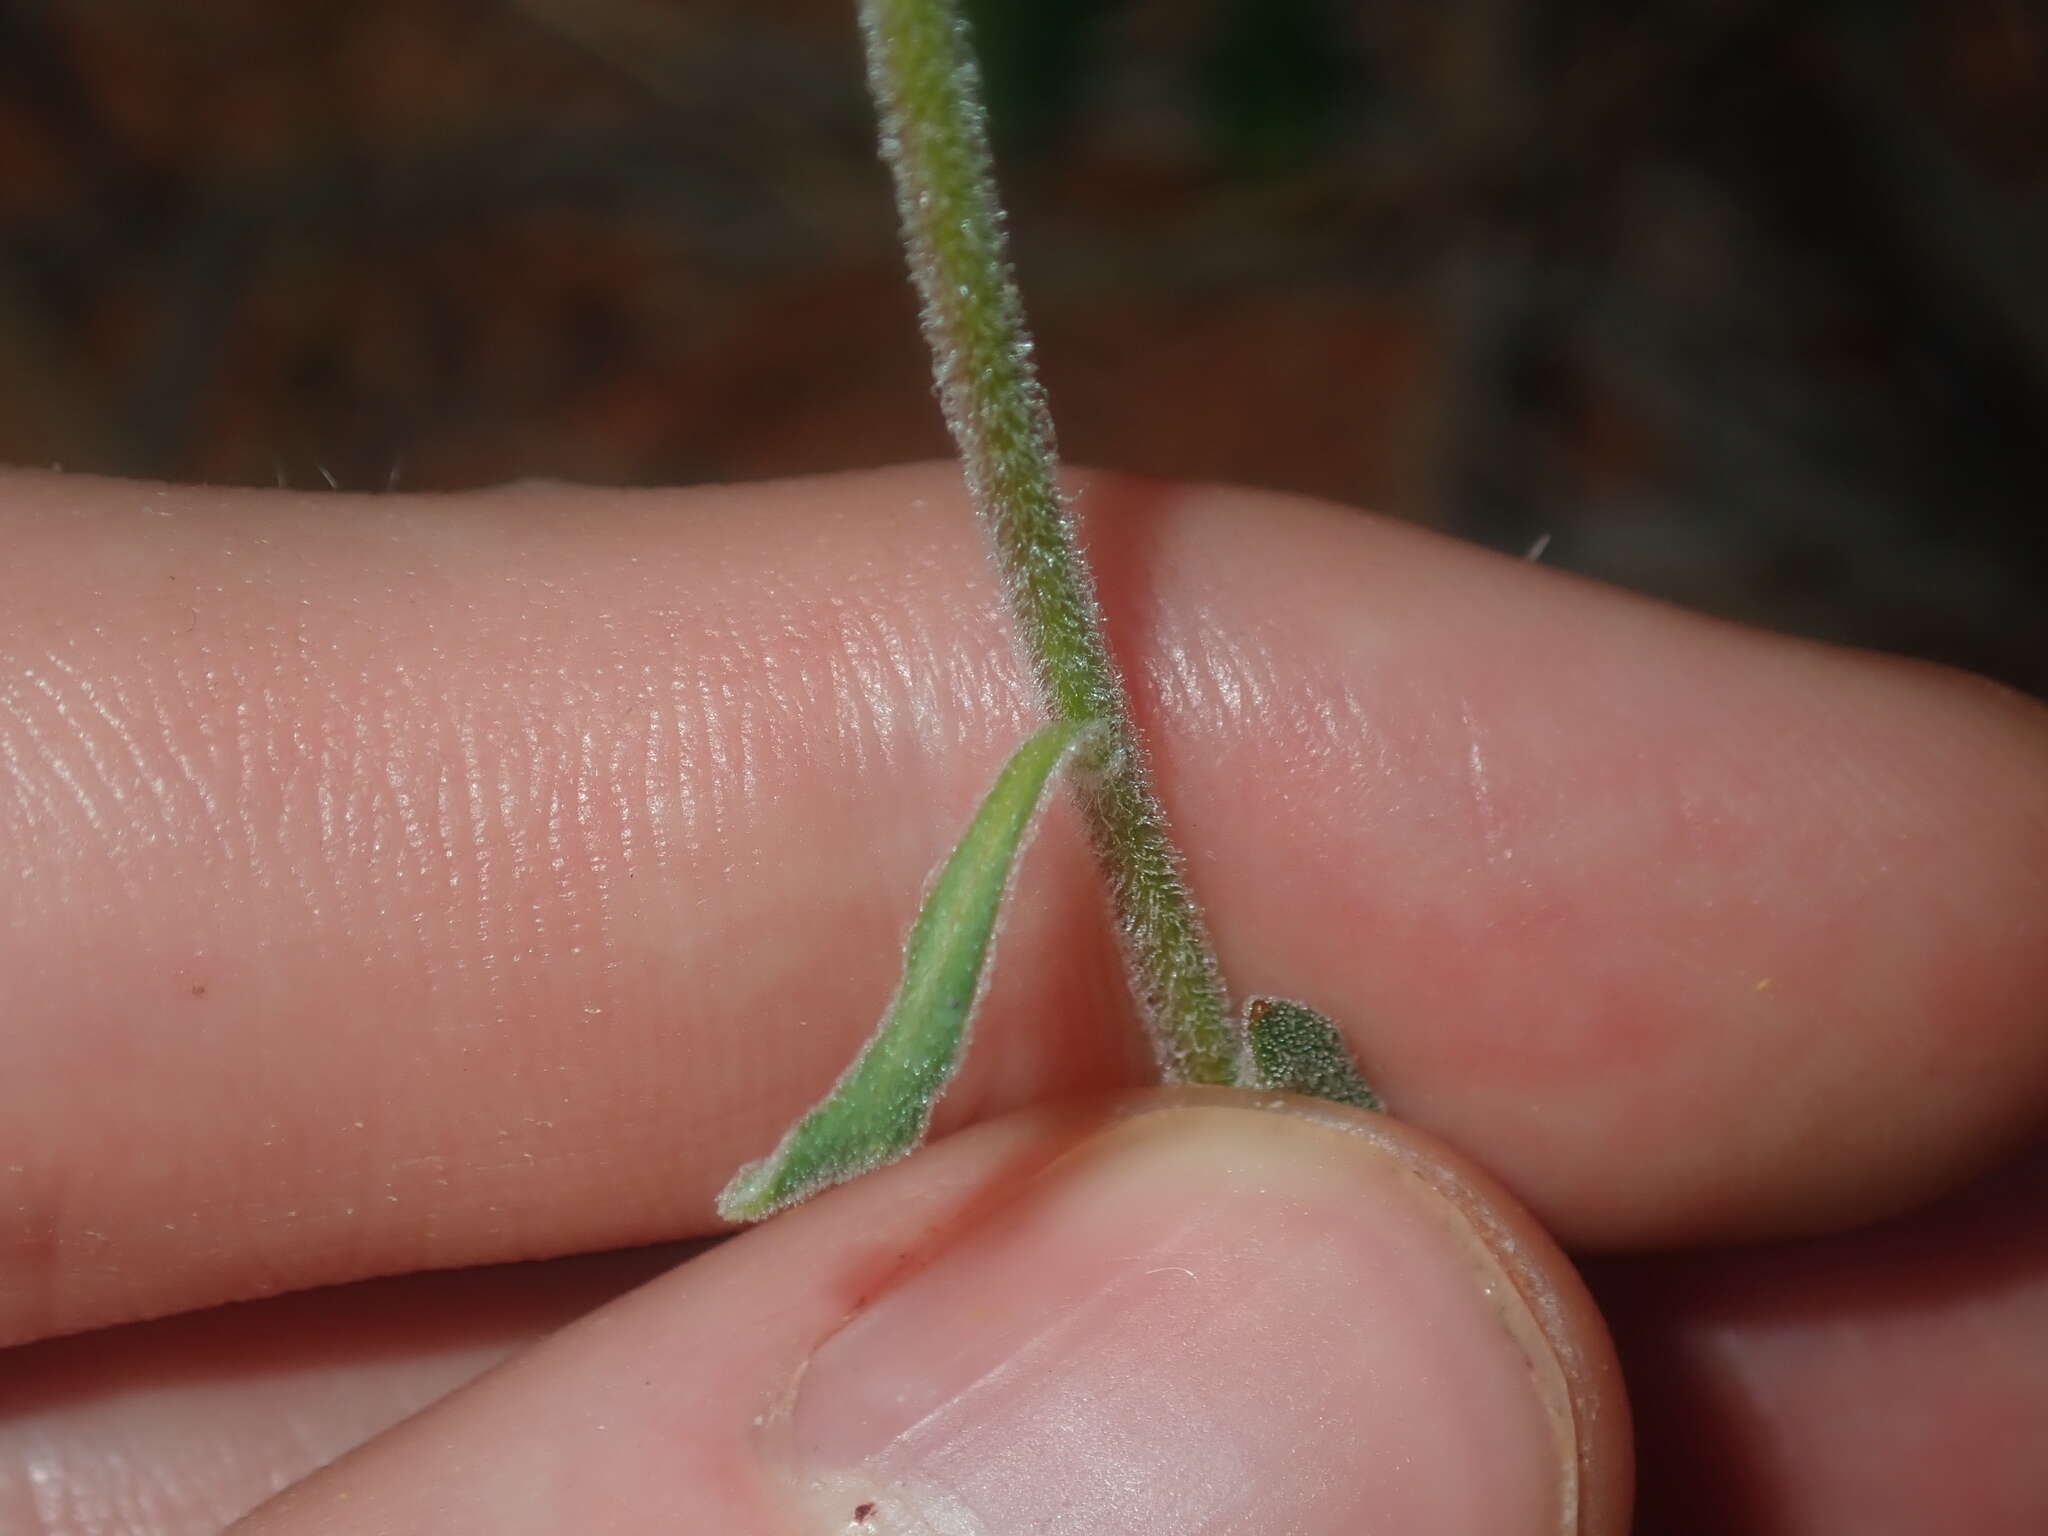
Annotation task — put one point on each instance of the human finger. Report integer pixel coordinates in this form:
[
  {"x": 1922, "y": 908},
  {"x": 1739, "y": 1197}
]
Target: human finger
[
  {"x": 1199, "y": 1316},
  {"x": 414, "y": 882},
  {"x": 1893, "y": 1379},
  {"x": 182, "y": 1425}
]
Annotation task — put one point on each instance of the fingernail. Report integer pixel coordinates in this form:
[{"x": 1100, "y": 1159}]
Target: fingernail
[{"x": 1207, "y": 1320}]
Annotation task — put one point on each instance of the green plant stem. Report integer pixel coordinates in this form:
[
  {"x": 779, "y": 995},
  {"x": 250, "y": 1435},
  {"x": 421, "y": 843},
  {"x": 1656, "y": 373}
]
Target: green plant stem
[{"x": 934, "y": 137}]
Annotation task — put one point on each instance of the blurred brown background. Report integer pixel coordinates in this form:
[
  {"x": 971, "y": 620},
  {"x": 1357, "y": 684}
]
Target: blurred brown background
[{"x": 1742, "y": 302}]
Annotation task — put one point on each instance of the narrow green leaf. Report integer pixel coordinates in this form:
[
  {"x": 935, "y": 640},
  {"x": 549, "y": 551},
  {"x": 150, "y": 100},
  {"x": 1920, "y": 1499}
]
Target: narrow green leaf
[
  {"x": 1296, "y": 1049},
  {"x": 881, "y": 1105}
]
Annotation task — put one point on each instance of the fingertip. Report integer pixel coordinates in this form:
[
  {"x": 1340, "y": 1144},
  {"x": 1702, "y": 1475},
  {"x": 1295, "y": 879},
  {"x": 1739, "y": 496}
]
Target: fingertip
[
  {"x": 1186, "y": 1312},
  {"x": 1697, "y": 933}
]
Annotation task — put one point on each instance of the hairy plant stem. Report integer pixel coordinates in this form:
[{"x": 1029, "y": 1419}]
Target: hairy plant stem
[{"x": 934, "y": 138}]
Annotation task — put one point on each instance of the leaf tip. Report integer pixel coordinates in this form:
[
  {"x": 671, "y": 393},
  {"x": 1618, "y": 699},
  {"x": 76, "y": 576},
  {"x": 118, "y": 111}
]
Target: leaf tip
[
  {"x": 749, "y": 1195},
  {"x": 1298, "y": 1050}
]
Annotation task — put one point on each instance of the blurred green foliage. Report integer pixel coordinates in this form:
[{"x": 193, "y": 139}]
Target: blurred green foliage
[{"x": 1263, "y": 81}]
